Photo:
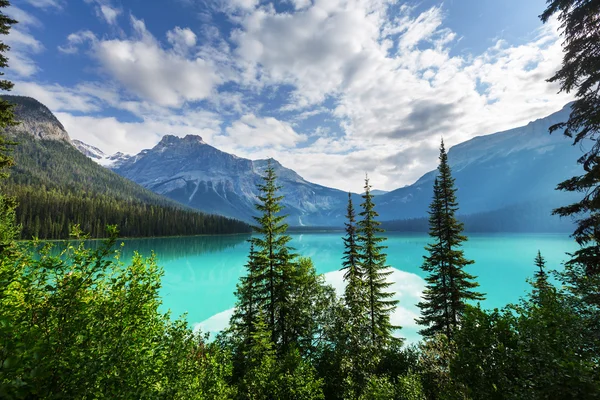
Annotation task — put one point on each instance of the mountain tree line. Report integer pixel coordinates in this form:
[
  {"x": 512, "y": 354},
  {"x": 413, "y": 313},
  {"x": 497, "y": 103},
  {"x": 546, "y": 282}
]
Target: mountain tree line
[
  {"x": 50, "y": 214},
  {"x": 56, "y": 187},
  {"x": 83, "y": 324}
]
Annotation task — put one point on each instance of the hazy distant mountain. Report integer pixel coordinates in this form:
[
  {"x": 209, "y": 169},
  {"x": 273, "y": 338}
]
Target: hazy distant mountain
[
  {"x": 518, "y": 166},
  {"x": 196, "y": 174},
  {"x": 377, "y": 192}
]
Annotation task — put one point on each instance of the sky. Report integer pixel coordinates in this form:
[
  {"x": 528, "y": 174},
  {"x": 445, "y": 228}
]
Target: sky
[{"x": 334, "y": 89}]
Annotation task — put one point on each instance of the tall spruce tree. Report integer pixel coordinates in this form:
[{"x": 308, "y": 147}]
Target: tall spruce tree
[
  {"x": 353, "y": 273},
  {"x": 357, "y": 362},
  {"x": 375, "y": 273},
  {"x": 540, "y": 276},
  {"x": 275, "y": 256},
  {"x": 8, "y": 228},
  {"x": 449, "y": 286},
  {"x": 580, "y": 72}
]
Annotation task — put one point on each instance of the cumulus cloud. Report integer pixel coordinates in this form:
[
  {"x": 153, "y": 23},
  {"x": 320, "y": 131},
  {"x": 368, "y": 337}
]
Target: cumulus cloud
[
  {"x": 182, "y": 39},
  {"x": 153, "y": 73},
  {"x": 24, "y": 46},
  {"x": 394, "y": 82},
  {"x": 75, "y": 40},
  {"x": 109, "y": 14},
  {"x": 253, "y": 131},
  {"x": 382, "y": 80},
  {"x": 58, "y": 98}
]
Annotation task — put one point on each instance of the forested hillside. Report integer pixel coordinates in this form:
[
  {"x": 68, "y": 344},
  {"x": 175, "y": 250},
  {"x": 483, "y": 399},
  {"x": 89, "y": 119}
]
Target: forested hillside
[{"x": 56, "y": 186}]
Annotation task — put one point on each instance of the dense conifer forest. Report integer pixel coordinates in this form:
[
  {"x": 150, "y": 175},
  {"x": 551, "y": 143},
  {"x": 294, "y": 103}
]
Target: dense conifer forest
[
  {"x": 77, "y": 322},
  {"x": 56, "y": 187}
]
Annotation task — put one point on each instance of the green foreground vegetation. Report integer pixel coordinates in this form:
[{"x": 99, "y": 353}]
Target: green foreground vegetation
[{"x": 83, "y": 324}]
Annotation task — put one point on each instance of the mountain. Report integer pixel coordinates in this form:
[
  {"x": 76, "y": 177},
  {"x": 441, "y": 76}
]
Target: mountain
[
  {"x": 499, "y": 177},
  {"x": 521, "y": 166},
  {"x": 99, "y": 156},
  {"x": 198, "y": 175},
  {"x": 377, "y": 192},
  {"x": 57, "y": 186}
]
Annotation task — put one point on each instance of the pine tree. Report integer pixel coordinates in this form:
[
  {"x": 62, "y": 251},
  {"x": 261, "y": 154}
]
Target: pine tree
[
  {"x": 375, "y": 273},
  {"x": 356, "y": 357},
  {"x": 7, "y": 117},
  {"x": 353, "y": 274},
  {"x": 540, "y": 277},
  {"x": 271, "y": 270},
  {"x": 580, "y": 72},
  {"x": 8, "y": 226},
  {"x": 449, "y": 286}
]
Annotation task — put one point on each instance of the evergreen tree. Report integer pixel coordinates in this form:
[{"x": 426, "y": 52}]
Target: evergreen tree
[
  {"x": 580, "y": 72},
  {"x": 275, "y": 258},
  {"x": 353, "y": 273},
  {"x": 540, "y": 284},
  {"x": 355, "y": 358},
  {"x": 375, "y": 273},
  {"x": 448, "y": 287}
]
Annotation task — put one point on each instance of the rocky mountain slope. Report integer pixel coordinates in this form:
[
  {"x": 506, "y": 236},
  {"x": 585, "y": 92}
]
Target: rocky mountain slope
[{"x": 196, "y": 174}]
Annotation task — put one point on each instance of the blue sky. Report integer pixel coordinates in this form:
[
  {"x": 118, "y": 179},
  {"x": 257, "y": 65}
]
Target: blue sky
[{"x": 331, "y": 88}]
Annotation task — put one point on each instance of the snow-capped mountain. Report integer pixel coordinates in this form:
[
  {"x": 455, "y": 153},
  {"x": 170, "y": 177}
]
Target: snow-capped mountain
[
  {"x": 196, "y": 174},
  {"x": 110, "y": 161},
  {"x": 513, "y": 170},
  {"x": 88, "y": 150}
]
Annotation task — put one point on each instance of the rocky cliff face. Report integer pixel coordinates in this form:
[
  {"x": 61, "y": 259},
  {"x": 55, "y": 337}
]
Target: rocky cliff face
[
  {"x": 36, "y": 120},
  {"x": 196, "y": 174}
]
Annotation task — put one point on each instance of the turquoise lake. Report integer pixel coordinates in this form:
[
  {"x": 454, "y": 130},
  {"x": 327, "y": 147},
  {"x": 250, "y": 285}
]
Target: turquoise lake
[{"x": 201, "y": 272}]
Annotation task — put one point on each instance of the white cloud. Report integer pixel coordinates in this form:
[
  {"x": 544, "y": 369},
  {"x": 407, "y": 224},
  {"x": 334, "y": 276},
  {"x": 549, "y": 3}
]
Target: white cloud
[
  {"x": 23, "y": 17},
  {"x": 23, "y": 45},
  {"x": 58, "y": 98},
  {"x": 105, "y": 11},
  {"x": 257, "y": 132},
  {"x": 394, "y": 97},
  {"x": 109, "y": 14},
  {"x": 45, "y": 4},
  {"x": 112, "y": 135},
  {"x": 181, "y": 38},
  {"x": 162, "y": 76},
  {"x": 395, "y": 84},
  {"x": 75, "y": 40}
]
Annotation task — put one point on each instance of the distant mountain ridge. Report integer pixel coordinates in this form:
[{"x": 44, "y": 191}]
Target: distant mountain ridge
[
  {"x": 518, "y": 166},
  {"x": 497, "y": 175}
]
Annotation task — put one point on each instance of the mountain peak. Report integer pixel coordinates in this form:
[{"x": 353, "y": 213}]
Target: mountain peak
[
  {"x": 168, "y": 140},
  {"x": 36, "y": 119}
]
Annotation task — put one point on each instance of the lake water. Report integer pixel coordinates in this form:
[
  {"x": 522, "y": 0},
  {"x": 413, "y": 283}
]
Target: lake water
[{"x": 201, "y": 272}]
